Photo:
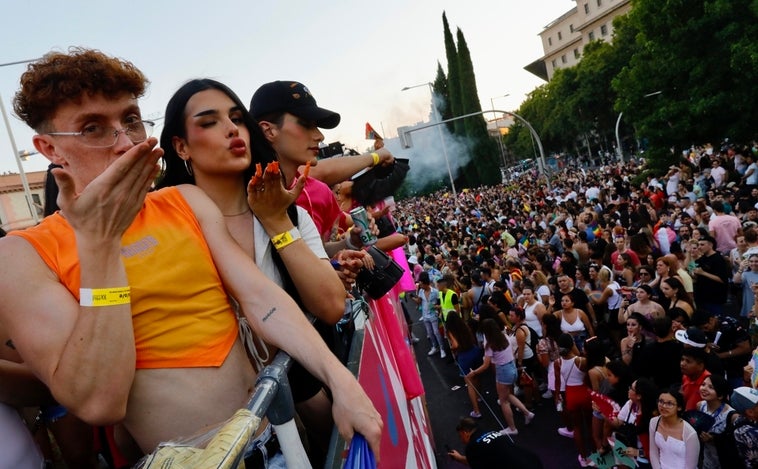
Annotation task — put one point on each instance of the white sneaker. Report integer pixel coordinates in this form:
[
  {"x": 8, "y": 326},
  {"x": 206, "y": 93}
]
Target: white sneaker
[
  {"x": 528, "y": 418},
  {"x": 442, "y": 354},
  {"x": 547, "y": 394},
  {"x": 508, "y": 431},
  {"x": 563, "y": 431},
  {"x": 433, "y": 351}
]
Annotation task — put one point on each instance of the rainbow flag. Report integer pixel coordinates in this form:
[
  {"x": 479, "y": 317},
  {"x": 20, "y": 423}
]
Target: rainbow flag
[
  {"x": 524, "y": 241},
  {"x": 372, "y": 134},
  {"x": 596, "y": 230}
]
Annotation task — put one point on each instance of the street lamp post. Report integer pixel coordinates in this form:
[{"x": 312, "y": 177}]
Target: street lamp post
[
  {"x": 497, "y": 127},
  {"x": 25, "y": 154},
  {"x": 439, "y": 132},
  {"x": 21, "y": 172},
  {"x": 619, "y": 153}
]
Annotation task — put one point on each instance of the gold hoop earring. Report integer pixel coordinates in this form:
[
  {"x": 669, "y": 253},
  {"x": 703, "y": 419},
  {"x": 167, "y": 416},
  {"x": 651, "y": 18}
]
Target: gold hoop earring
[{"x": 188, "y": 167}]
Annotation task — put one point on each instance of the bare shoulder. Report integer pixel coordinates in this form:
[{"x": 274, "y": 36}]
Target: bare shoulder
[
  {"x": 202, "y": 206},
  {"x": 36, "y": 306},
  {"x": 193, "y": 195},
  {"x": 21, "y": 262}
]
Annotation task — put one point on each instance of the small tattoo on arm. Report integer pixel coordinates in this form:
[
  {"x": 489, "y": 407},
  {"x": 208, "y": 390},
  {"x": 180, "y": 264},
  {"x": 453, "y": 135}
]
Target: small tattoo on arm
[
  {"x": 9, "y": 343},
  {"x": 268, "y": 315}
]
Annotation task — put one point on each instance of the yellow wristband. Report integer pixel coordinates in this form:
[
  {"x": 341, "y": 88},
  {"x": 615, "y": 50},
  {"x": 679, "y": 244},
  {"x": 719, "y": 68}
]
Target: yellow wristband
[
  {"x": 104, "y": 296},
  {"x": 375, "y": 156},
  {"x": 282, "y": 240}
]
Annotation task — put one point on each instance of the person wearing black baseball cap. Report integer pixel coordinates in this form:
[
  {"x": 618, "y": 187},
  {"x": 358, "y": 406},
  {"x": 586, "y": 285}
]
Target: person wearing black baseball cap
[
  {"x": 290, "y": 119},
  {"x": 293, "y": 98}
]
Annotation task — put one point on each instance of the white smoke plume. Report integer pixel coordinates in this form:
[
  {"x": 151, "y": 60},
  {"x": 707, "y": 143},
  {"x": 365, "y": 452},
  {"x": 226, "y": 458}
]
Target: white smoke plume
[{"x": 427, "y": 154}]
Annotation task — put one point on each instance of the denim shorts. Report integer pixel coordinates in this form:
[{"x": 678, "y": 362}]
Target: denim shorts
[
  {"x": 506, "y": 374},
  {"x": 264, "y": 459}
]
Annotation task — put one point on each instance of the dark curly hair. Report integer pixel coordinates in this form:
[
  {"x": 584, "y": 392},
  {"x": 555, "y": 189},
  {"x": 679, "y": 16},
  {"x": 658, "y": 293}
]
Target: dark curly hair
[{"x": 59, "y": 78}]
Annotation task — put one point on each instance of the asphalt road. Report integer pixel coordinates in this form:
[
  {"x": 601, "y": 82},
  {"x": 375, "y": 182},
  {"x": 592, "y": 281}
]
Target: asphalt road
[{"x": 447, "y": 401}]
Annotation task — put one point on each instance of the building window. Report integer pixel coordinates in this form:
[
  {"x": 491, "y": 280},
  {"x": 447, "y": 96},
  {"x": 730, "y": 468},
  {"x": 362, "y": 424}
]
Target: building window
[
  {"x": 576, "y": 53},
  {"x": 587, "y": 8},
  {"x": 571, "y": 28},
  {"x": 604, "y": 30},
  {"x": 553, "y": 63},
  {"x": 550, "y": 41},
  {"x": 599, "y": 2},
  {"x": 563, "y": 59},
  {"x": 591, "y": 36},
  {"x": 560, "y": 36}
]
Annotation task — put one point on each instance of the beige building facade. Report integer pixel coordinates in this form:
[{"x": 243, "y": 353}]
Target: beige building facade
[
  {"x": 14, "y": 210},
  {"x": 563, "y": 40}
]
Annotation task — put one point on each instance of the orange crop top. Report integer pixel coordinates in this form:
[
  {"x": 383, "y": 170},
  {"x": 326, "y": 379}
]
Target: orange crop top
[{"x": 181, "y": 314}]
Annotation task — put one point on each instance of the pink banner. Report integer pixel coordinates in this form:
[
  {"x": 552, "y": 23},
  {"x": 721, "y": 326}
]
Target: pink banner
[
  {"x": 406, "y": 439},
  {"x": 387, "y": 318},
  {"x": 406, "y": 282}
]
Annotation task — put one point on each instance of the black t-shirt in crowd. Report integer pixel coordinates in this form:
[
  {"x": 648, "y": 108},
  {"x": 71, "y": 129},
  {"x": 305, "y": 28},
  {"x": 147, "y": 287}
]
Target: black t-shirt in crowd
[
  {"x": 580, "y": 299},
  {"x": 709, "y": 291},
  {"x": 660, "y": 363},
  {"x": 487, "y": 450}
]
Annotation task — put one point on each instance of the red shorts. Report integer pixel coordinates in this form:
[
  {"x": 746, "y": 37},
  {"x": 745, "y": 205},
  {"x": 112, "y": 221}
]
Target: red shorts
[{"x": 578, "y": 398}]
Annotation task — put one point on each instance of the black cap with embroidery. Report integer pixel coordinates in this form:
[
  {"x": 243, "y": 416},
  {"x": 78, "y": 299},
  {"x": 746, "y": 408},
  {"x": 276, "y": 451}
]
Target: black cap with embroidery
[{"x": 294, "y": 98}]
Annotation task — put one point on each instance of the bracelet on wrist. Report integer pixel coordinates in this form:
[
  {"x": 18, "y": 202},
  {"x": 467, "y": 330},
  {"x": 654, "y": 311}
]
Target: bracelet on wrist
[
  {"x": 282, "y": 240},
  {"x": 375, "y": 158},
  {"x": 94, "y": 297}
]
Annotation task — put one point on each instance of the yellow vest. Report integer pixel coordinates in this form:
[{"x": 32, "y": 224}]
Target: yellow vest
[{"x": 446, "y": 303}]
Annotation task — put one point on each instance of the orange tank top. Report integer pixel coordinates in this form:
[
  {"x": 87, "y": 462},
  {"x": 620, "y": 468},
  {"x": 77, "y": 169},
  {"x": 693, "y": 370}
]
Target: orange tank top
[{"x": 181, "y": 314}]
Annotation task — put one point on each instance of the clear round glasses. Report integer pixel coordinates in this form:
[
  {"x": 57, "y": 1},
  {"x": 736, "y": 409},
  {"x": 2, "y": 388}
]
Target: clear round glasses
[{"x": 98, "y": 136}]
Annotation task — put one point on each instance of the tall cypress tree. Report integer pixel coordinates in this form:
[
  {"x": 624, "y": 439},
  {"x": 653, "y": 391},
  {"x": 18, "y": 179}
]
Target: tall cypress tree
[
  {"x": 484, "y": 161},
  {"x": 453, "y": 80},
  {"x": 441, "y": 99}
]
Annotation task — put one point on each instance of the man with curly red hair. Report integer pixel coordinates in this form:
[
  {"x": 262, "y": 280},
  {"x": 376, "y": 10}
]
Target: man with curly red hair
[{"x": 129, "y": 322}]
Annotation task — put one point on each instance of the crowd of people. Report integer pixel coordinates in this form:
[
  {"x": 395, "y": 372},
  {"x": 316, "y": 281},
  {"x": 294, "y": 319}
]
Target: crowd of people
[
  {"x": 638, "y": 286},
  {"x": 157, "y": 305}
]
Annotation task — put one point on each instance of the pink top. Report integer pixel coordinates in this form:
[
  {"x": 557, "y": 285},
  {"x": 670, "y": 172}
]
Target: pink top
[{"x": 321, "y": 205}]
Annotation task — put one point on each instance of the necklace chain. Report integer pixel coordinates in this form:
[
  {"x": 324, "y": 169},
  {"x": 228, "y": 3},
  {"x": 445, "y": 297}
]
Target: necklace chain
[{"x": 238, "y": 214}]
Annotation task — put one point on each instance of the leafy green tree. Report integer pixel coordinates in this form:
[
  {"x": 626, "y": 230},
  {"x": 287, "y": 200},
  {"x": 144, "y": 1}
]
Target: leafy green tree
[{"x": 691, "y": 74}]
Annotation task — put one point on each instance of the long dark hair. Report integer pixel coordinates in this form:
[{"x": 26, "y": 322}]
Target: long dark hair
[
  {"x": 458, "y": 328},
  {"x": 494, "y": 335},
  {"x": 175, "y": 171},
  {"x": 677, "y": 285},
  {"x": 552, "y": 327},
  {"x": 648, "y": 392}
]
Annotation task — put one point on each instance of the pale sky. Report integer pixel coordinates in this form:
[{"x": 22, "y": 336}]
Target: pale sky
[{"x": 355, "y": 56}]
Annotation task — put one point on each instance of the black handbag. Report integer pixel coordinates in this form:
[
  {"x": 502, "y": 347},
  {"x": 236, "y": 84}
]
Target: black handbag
[
  {"x": 385, "y": 274},
  {"x": 627, "y": 434}
]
